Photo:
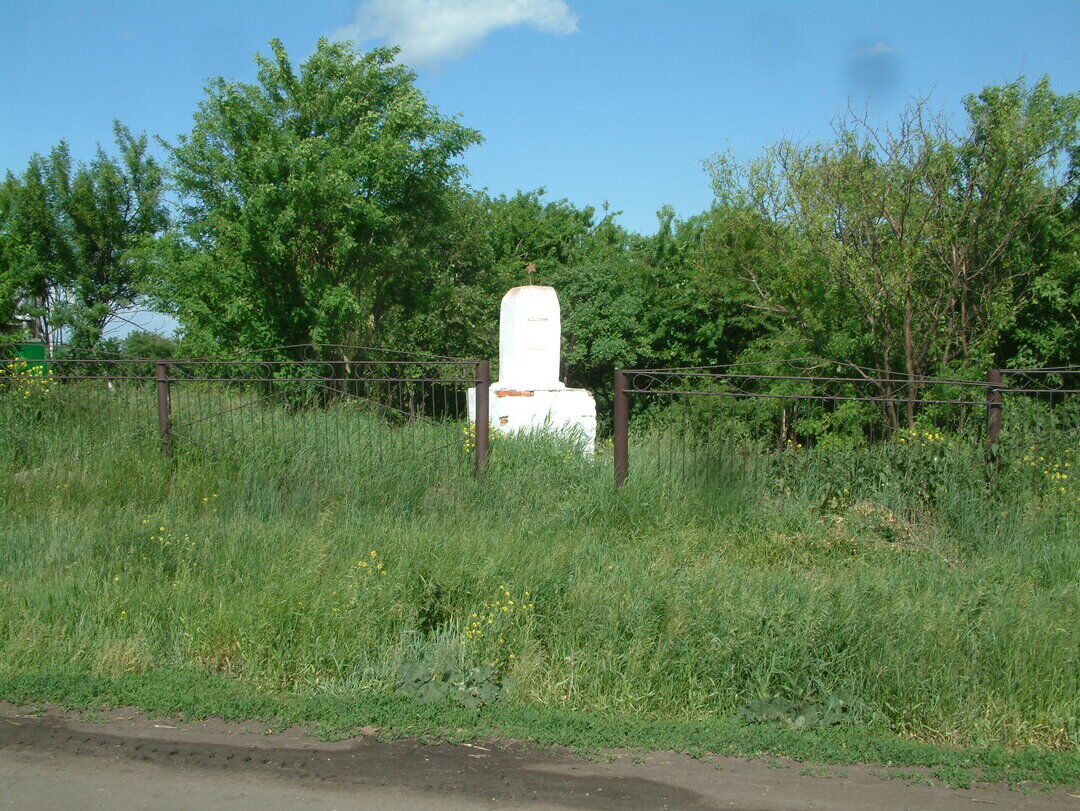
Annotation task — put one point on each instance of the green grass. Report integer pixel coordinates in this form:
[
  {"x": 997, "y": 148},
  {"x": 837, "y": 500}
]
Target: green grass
[
  {"x": 336, "y": 711},
  {"x": 938, "y": 610}
]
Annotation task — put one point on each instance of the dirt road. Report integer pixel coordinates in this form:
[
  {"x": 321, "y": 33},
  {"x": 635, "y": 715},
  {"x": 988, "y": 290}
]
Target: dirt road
[{"x": 125, "y": 760}]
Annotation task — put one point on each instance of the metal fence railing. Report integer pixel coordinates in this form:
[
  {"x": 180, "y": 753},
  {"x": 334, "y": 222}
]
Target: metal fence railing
[
  {"x": 342, "y": 404},
  {"x": 685, "y": 418},
  {"x": 353, "y": 406}
]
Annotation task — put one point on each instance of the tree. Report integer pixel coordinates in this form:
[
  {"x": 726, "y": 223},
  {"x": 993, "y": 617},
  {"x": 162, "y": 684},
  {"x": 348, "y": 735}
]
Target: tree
[
  {"x": 76, "y": 239},
  {"x": 908, "y": 249},
  {"x": 484, "y": 249},
  {"x": 583, "y": 253},
  {"x": 674, "y": 298},
  {"x": 1046, "y": 332},
  {"x": 697, "y": 313},
  {"x": 35, "y": 256},
  {"x": 111, "y": 212},
  {"x": 311, "y": 200}
]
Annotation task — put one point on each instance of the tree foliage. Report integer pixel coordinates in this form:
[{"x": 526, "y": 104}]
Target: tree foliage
[
  {"x": 911, "y": 249},
  {"x": 311, "y": 200},
  {"x": 76, "y": 240}
]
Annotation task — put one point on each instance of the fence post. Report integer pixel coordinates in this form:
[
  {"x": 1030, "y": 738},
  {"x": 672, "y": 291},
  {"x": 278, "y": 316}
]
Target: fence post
[
  {"x": 483, "y": 418},
  {"x": 621, "y": 428},
  {"x": 994, "y": 402},
  {"x": 164, "y": 406}
]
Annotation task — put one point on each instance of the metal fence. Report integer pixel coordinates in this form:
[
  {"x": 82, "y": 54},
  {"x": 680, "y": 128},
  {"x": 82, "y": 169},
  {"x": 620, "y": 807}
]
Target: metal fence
[
  {"x": 342, "y": 404},
  {"x": 686, "y": 419},
  {"x": 1045, "y": 402},
  {"x": 354, "y": 406}
]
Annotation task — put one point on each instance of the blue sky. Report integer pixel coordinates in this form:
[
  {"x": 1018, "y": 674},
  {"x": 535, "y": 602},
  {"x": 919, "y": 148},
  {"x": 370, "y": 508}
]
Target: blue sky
[{"x": 596, "y": 101}]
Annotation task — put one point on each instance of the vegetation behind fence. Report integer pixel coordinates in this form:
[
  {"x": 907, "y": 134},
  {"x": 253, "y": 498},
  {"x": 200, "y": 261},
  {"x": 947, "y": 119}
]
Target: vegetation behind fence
[
  {"x": 686, "y": 421},
  {"x": 349, "y": 404}
]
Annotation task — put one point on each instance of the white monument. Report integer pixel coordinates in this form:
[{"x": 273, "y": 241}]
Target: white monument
[{"x": 528, "y": 396}]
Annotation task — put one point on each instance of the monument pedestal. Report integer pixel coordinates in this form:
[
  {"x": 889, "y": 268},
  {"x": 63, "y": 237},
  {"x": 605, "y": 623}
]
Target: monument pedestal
[
  {"x": 529, "y": 395},
  {"x": 567, "y": 412}
]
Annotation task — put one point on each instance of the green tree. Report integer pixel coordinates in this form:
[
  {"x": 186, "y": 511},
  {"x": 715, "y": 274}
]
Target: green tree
[
  {"x": 1046, "y": 332},
  {"x": 586, "y": 256},
  {"x": 672, "y": 298},
  {"x": 484, "y": 250},
  {"x": 35, "y": 256},
  {"x": 907, "y": 249},
  {"x": 311, "y": 201},
  {"x": 76, "y": 240},
  {"x": 699, "y": 310},
  {"x": 111, "y": 212}
]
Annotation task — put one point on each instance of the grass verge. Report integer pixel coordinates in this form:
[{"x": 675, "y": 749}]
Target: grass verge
[
  {"x": 897, "y": 603},
  {"x": 196, "y": 694}
]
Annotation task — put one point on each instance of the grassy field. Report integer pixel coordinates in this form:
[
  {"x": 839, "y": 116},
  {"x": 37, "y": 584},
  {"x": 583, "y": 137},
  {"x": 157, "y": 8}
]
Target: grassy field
[{"x": 888, "y": 604}]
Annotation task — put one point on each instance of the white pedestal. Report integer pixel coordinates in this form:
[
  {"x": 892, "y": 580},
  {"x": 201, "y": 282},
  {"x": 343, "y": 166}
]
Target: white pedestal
[{"x": 565, "y": 412}]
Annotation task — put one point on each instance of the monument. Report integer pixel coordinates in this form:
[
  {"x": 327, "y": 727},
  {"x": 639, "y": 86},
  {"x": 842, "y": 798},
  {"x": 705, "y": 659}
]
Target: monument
[{"x": 528, "y": 396}]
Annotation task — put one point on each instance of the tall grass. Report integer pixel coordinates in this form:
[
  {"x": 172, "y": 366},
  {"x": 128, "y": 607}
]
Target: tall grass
[{"x": 900, "y": 578}]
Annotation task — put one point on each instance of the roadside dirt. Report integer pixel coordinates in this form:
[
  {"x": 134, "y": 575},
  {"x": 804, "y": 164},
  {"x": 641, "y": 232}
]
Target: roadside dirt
[{"x": 122, "y": 759}]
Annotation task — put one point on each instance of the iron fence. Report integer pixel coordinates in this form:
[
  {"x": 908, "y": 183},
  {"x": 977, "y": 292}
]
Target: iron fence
[
  {"x": 357, "y": 406},
  {"x": 1045, "y": 401},
  {"x": 693, "y": 420},
  {"x": 345, "y": 405}
]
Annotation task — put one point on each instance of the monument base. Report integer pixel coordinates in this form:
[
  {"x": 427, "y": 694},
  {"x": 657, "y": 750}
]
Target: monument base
[{"x": 562, "y": 411}]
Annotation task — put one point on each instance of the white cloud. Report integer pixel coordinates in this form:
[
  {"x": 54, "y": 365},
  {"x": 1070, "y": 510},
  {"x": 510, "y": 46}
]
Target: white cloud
[
  {"x": 877, "y": 49},
  {"x": 433, "y": 31}
]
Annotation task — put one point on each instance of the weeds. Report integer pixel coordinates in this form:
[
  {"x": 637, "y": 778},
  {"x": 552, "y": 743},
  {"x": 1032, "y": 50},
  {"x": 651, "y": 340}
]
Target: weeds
[{"x": 942, "y": 607}]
